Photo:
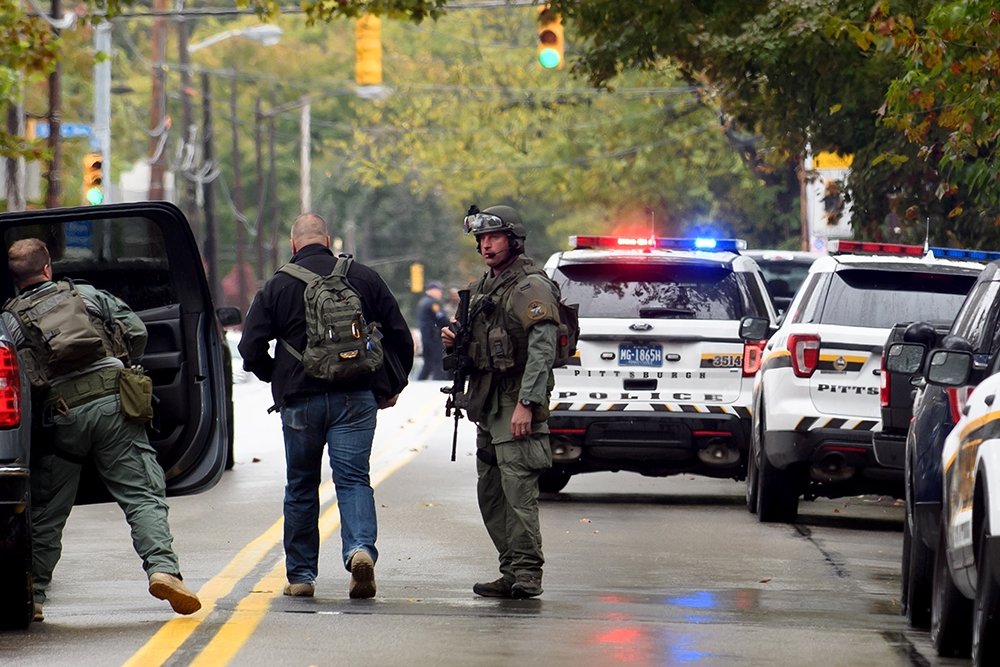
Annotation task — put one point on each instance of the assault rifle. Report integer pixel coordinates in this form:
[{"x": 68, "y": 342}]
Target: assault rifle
[{"x": 459, "y": 363}]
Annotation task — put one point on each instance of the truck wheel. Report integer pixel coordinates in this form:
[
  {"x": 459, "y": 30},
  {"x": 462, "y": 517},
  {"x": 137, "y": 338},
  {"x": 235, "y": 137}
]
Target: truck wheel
[
  {"x": 16, "y": 600},
  {"x": 951, "y": 612},
  {"x": 918, "y": 575},
  {"x": 777, "y": 493},
  {"x": 553, "y": 480},
  {"x": 986, "y": 619}
]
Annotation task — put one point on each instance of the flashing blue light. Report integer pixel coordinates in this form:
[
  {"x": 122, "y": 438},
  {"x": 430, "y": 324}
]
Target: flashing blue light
[
  {"x": 969, "y": 255},
  {"x": 702, "y": 243}
]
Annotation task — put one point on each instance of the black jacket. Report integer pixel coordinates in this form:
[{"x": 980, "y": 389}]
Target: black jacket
[{"x": 278, "y": 311}]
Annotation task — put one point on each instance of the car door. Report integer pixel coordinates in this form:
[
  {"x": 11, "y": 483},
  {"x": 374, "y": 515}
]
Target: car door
[{"x": 145, "y": 254}]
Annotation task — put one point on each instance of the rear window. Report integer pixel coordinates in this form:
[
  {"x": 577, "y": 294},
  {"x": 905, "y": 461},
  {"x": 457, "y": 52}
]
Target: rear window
[
  {"x": 651, "y": 291},
  {"x": 868, "y": 298}
]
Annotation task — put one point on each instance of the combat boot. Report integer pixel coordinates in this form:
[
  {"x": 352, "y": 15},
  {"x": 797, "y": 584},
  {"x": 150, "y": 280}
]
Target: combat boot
[
  {"x": 169, "y": 587},
  {"x": 526, "y": 586},
  {"x": 493, "y": 589}
]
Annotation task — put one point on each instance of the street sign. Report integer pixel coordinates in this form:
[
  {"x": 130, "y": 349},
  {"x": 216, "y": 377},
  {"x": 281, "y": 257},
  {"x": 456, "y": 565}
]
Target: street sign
[{"x": 66, "y": 130}]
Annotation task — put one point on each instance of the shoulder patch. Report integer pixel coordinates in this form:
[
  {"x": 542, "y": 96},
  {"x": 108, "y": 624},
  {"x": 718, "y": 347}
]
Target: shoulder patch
[
  {"x": 435, "y": 308},
  {"x": 536, "y": 310}
]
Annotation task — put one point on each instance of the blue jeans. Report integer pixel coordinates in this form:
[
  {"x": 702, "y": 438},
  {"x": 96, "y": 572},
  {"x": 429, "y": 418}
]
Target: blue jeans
[{"x": 344, "y": 420}]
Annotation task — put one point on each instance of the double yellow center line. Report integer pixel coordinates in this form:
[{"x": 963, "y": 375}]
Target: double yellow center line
[{"x": 250, "y": 611}]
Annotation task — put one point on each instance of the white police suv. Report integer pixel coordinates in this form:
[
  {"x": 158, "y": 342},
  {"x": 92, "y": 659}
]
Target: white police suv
[
  {"x": 662, "y": 380},
  {"x": 816, "y": 397}
]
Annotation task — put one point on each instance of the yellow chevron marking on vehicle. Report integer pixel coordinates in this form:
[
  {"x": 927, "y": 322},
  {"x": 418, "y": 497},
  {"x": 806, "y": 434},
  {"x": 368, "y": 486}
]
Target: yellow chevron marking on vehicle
[
  {"x": 977, "y": 423},
  {"x": 775, "y": 354}
]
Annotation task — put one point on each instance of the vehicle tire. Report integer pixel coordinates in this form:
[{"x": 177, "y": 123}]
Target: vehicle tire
[
  {"x": 986, "y": 617},
  {"x": 951, "y": 612},
  {"x": 227, "y": 362},
  {"x": 918, "y": 576},
  {"x": 756, "y": 447},
  {"x": 553, "y": 480},
  {"x": 777, "y": 492},
  {"x": 16, "y": 599}
]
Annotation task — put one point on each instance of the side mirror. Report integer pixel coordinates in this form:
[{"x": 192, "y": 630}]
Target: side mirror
[
  {"x": 905, "y": 358},
  {"x": 754, "y": 328},
  {"x": 229, "y": 316},
  {"x": 949, "y": 368}
]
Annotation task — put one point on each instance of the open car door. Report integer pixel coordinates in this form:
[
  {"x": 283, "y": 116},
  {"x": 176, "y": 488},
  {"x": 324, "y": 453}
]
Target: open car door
[{"x": 145, "y": 254}]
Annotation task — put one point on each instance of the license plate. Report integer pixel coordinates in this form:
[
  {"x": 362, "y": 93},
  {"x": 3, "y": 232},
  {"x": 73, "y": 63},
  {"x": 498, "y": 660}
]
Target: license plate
[{"x": 640, "y": 355}]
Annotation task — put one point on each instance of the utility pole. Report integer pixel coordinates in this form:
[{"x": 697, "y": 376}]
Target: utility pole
[
  {"x": 187, "y": 187},
  {"x": 262, "y": 187},
  {"x": 305, "y": 148},
  {"x": 241, "y": 276},
  {"x": 156, "y": 109},
  {"x": 102, "y": 103},
  {"x": 272, "y": 168},
  {"x": 209, "y": 249},
  {"x": 53, "y": 195},
  {"x": 15, "y": 173}
]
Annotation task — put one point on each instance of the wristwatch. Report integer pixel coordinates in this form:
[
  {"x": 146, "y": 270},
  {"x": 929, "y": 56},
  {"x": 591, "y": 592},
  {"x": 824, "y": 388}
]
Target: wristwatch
[{"x": 526, "y": 403}]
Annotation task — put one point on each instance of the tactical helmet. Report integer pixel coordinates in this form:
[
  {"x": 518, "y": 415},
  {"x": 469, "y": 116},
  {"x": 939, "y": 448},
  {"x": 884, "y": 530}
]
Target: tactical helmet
[{"x": 497, "y": 219}]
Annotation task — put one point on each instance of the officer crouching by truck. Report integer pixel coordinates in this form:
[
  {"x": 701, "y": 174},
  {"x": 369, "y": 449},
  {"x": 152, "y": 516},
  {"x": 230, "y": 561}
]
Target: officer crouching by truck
[{"x": 77, "y": 345}]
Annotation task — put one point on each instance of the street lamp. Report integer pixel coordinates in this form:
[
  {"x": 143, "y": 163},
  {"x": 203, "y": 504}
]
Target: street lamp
[{"x": 265, "y": 33}]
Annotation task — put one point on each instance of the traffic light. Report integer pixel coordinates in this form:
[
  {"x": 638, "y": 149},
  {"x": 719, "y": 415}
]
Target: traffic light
[
  {"x": 368, "y": 51},
  {"x": 416, "y": 277},
  {"x": 93, "y": 179},
  {"x": 550, "y": 39}
]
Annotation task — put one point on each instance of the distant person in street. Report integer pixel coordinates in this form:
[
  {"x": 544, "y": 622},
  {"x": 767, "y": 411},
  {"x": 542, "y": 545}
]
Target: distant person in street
[
  {"x": 318, "y": 413},
  {"x": 430, "y": 318},
  {"x": 514, "y": 318},
  {"x": 75, "y": 376}
]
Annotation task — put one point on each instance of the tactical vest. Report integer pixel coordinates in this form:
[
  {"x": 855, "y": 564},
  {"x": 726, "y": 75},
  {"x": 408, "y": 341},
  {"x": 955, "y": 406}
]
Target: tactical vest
[
  {"x": 499, "y": 341},
  {"x": 61, "y": 335}
]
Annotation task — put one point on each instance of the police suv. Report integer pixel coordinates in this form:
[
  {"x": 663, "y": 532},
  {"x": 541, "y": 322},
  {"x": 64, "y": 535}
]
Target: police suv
[
  {"x": 662, "y": 379},
  {"x": 816, "y": 397},
  {"x": 966, "y": 582}
]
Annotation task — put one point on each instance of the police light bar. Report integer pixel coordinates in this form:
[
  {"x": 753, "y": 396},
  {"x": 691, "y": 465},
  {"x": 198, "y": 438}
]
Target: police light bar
[
  {"x": 708, "y": 244},
  {"x": 841, "y": 247},
  {"x": 962, "y": 254}
]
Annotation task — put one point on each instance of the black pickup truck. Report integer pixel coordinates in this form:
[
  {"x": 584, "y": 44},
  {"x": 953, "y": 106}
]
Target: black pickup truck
[
  {"x": 145, "y": 254},
  {"x": 898, "y": 391}
]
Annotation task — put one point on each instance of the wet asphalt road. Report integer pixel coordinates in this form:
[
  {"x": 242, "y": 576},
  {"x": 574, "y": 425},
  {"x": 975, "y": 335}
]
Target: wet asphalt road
[{"x": 640, "y": 571}]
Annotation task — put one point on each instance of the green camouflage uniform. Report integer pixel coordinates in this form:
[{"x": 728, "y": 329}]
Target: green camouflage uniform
[
  {"x": 513, "y": 348},
  {"x": 81, "y": 420}
]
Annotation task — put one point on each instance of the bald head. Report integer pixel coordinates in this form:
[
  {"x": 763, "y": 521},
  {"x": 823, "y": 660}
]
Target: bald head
[{"x": 307, "y": 229}]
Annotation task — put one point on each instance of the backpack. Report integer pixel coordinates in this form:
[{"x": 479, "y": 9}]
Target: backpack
[
  {"x": 569, "y": 331},
  {"x": 340, "y": 344},
  {"x": 61, "y": 335}
]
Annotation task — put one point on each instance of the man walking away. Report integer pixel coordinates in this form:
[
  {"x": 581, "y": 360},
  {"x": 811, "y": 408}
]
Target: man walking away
[{"x": 318, "y": 412}]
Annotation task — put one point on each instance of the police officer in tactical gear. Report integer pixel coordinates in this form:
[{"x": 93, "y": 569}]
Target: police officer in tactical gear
[
  {"x": 513, "y": 316},
  {"x": 83, "y": 408}
]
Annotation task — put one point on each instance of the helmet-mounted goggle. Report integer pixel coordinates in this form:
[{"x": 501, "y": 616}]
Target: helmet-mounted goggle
[{"x": 483, "y": 223}]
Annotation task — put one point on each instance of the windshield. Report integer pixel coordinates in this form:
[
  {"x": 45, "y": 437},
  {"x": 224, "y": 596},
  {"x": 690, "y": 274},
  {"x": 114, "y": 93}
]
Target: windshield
[
  {"x": 870, "y": 298},
  {"x": 784, "y": 277},
  {"x": 664, "y": 291}
]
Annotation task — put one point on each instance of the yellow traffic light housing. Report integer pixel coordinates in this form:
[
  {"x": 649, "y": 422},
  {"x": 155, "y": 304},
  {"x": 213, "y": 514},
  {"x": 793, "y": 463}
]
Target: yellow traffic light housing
[
  {"x": 93, "y": 179},
  {"x": 416, "y": 277},
  {"x": 368, "y": 51},
  {"x": 550, "y": 39}
]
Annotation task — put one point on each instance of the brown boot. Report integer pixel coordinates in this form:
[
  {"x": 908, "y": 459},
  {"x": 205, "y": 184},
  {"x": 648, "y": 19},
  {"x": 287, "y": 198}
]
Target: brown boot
[
  {"x": 169, "y": 587},
  {"x": 362, "y": 576},
  {"x": 493, "y": 589}
]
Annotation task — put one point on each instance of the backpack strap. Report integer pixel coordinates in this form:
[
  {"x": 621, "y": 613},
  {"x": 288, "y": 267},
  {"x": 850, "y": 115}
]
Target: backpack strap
[
  {"x": 342, "y": 266},
  {"x": 306, "y": 276}
]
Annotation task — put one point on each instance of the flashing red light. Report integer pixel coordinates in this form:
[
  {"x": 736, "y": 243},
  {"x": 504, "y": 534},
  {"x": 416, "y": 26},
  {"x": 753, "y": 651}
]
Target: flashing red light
[
  {"x": 717, "y": 245},
  {"x": 841, "y": 247}
]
